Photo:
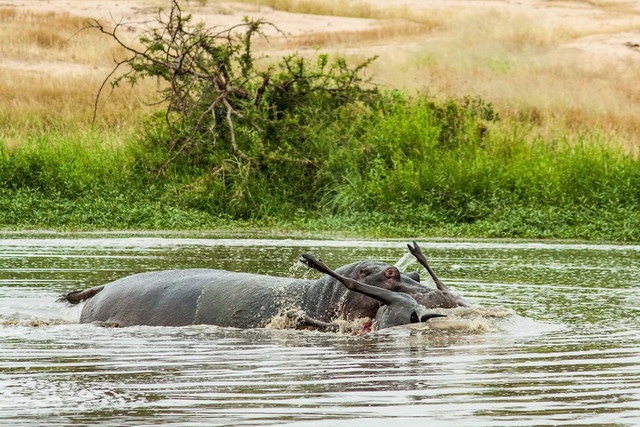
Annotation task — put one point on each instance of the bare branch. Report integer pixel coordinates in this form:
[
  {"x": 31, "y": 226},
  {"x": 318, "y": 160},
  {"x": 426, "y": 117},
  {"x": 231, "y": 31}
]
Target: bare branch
[{"x": 212, "y": 88}]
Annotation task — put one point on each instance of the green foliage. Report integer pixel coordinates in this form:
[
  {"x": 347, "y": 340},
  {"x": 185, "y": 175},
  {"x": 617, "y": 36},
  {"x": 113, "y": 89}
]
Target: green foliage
[
  {"x": 376, "y": 171},
  {"x": 485, "y": 176},
  {"x": 221, "y": 109},
  {"x": 308, "y": 144},
  {"x": 68, "y": 169}
]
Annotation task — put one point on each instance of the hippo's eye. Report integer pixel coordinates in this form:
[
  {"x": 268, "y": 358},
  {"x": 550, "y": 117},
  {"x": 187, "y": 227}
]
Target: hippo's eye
[{"x": 392, "y": 273}]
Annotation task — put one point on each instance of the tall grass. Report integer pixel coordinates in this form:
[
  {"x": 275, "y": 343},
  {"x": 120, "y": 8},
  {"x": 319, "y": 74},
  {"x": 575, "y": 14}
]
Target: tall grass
[
  {"x": 93, "y": 182},
  {"x": 451, "y": 158},
  {"x": 52, "y": 36},
  {"x": 411, "y": 166}
]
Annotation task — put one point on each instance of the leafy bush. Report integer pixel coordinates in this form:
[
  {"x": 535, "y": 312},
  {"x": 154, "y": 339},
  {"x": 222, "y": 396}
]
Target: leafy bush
[
  {"x": 308, "y": 143},
  {"x": 219, "y": 104}
]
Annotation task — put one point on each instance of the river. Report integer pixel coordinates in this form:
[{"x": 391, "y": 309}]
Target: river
[{"x": 567, "y": 351}]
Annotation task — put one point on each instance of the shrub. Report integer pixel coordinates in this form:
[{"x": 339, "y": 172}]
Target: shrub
[{"x": 219, "y": 105}]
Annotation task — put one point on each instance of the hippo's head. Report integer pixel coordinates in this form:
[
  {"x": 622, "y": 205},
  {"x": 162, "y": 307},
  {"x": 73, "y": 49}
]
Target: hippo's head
[{"x": 398, "y": 308}]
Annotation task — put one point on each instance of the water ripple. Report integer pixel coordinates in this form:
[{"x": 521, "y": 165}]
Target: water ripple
[{"x": 568, "y": 355}]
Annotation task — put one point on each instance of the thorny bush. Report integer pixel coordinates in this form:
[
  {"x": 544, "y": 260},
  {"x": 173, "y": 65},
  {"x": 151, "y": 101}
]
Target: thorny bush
[{"x": 223, "y": 109}]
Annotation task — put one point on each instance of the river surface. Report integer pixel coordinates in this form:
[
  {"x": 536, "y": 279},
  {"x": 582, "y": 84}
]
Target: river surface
[{"x": 568, "y": 353}]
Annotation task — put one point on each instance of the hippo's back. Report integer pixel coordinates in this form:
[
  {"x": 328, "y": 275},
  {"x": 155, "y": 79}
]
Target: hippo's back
[{"x": 186, "y": 297}]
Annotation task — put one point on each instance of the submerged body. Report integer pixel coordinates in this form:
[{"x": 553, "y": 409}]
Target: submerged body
[
  {"x": 195, "y": 296},
  {"x": 243, "y": 300}
]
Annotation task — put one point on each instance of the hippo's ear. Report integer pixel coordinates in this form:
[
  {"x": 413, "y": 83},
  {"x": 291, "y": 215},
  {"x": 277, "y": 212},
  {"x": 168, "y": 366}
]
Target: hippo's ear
[{"x": 413, "y": 276}]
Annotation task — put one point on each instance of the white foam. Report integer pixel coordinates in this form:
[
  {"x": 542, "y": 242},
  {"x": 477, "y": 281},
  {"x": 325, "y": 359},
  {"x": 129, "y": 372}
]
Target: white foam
[{"x": 479, "y": 320}]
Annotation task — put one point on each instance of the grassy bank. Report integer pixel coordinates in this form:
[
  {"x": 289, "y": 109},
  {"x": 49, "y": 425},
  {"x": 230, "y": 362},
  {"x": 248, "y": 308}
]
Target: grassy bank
[
  {"x": 299, "y": 157},
  {"x": 413, "y": 167}
]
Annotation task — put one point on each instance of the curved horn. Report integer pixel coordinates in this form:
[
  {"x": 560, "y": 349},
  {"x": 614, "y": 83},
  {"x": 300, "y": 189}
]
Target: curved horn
[
  {"x": 417, "y": 252},
  {"x": 420, "y": 319},
  {"x": 385, "y": 296}
]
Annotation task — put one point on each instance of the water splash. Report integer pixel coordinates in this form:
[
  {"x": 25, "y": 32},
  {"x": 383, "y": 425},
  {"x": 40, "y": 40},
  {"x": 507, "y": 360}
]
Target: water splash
[
  {"x": 33, "y": 322},
  {"x": 298, "y": 269},
  {"x": 295, "y": 319},
  {"x": 478, "y": 320},
  {"x": 461, "y": 320}
]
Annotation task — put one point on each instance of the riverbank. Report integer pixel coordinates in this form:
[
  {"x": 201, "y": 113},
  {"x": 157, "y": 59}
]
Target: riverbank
[
  {"x": 365, "y": 186},
  {"x": 405, "y": 162},
  {"x": 615, "y": 227}
]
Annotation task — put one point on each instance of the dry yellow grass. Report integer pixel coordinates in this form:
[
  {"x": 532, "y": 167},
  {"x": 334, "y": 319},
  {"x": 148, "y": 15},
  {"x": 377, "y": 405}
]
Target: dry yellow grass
[
  {"x": 353, "y": 9},
  {"x": 51, "y": 71},
  {"x": 37, "y": 100},
  {"x": 384, "y": 33},
  {"x": 356, "y": 9},
  {"x": 28, "y": 35},
  {"x": 528, "y": 67}
]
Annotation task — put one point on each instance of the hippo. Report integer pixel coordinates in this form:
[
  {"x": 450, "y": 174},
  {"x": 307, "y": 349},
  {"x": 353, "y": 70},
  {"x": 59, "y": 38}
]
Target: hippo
[
  {"x": 397, "y": 308},
  {"x": 243, "y": 300}
]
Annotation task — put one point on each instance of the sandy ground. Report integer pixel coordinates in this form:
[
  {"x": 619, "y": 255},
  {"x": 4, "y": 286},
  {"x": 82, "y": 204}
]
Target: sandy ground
[
  {"x": 213, "y": 13},
  {"x": 603, "y": 44},
  {"x": 610, "y": 36}
]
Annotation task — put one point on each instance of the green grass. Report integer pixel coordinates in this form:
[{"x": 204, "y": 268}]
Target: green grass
[{"x": 405, "y": 168}]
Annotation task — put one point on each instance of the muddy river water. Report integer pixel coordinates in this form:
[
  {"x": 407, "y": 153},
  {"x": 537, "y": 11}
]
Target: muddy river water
[{"x": 567, "y": 354}]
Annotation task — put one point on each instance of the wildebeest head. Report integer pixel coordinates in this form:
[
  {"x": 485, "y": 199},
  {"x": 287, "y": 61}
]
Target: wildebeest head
[
  {"x": 388, "y": 277},
  {"x": 378, "y": 274}
]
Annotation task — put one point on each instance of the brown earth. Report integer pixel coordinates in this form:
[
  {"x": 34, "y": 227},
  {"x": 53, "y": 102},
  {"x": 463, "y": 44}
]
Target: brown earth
[
  {"x": 571, "y": 62},
  {"x": 599, "y": 19}
]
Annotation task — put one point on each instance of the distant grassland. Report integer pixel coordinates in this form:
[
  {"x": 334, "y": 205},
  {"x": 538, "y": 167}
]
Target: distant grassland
[
  {"x": 561, "y": 161},
  {"x": 52, "y": 71},
  {"x": 507, "y": 57}
]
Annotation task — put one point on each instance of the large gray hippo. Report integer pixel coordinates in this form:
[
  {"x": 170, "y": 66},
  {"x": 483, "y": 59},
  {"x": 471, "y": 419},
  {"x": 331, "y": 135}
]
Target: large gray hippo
[{"x": 243, "y": 300}]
